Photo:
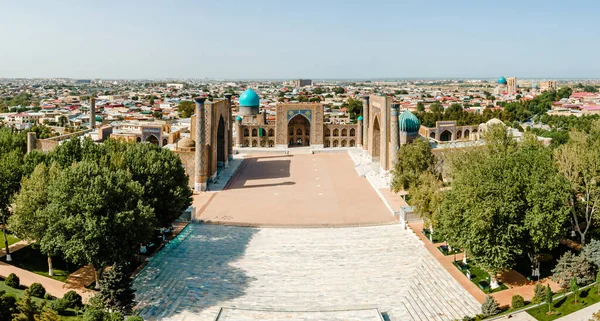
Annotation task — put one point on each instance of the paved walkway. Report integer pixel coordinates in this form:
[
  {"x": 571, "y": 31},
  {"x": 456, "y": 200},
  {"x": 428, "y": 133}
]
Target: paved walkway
[
  {"x": 296, "y": 190},
  {"x": 224, "y": 266}
]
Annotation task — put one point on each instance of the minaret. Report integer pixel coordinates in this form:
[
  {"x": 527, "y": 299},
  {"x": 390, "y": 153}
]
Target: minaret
[
  {"x": 92, "y": 112},
  {"x": 238, "y": 131},
  {"x": 200, "y": 155},
  {"x": 365, "y": 135},
  {"x": 230, "y": 128},
  {"x": 359, "y": 132},
  {"x": 394, "y": 139}
]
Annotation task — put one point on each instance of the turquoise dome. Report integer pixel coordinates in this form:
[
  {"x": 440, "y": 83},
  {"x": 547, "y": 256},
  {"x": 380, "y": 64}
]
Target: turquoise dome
[
  {"x": 98, "y": 118},
  {"x": 360, "y": 118},
  {"x": 502, "y": 81},
  {"x": 249, "y": 99},
  {"x": 409, "y": 123},
  {"x": 534, "y": 86},
  {"x": 238, "y": 118}
]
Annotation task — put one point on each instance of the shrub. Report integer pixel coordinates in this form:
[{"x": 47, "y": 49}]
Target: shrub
[
  {"x": 37, "y": 290},
  {"x": 517, "y": 302},
  {"x": 49, "y": 296},
  {"x": 489, "y": 307},
  {"x": 73, "y": 299},
  {"x": 60, "y": 306},
  {"x": 13, "y": 281},
  {"x": 538, "y": 294},
  {"x": 135, "y": 318},
  {"x": 93, "y": 315}
]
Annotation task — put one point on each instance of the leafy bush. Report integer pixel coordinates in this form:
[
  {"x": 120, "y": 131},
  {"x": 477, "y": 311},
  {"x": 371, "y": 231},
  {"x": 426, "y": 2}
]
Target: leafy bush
[
  {"x": 489, "y": 307},
  {"x": 538, "y": 294},
  {"x": 49, "y": 296},
  {"x": 73, "y": 299},
  {"x": 135, "y": 318},
  {"x": 60, "y": 306},
  {"x": 517, "y": 302},
  {"x": 13, "y": 281},
  {"x": 37, "y": 290},
  {"x": 93, "y": 315}
]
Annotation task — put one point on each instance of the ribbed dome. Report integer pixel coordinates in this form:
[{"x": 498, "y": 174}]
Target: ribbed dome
[
  {"x": 409, "y": 123},
  {"x": 186, "y": 143},
  {"x": 502, "y": 81},
  {"x": 249, "y": 98}
]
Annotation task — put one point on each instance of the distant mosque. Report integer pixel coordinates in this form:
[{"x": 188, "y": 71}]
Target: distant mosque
[{"x": 506, "y": 86}]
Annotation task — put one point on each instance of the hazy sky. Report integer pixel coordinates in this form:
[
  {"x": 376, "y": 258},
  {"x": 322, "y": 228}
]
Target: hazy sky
[{"x": 299, "y": 39}]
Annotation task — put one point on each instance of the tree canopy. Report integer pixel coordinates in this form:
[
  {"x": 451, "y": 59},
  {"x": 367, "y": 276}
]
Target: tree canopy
[
  {"x": 506, "y": 205},
  {"x": 411, "y": 160}
]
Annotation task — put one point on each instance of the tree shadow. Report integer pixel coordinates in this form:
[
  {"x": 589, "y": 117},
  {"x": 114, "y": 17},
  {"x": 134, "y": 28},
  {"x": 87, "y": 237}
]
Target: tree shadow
[
  {"x": 194, "y": 274},
  {"x": 560, "y": 302}
]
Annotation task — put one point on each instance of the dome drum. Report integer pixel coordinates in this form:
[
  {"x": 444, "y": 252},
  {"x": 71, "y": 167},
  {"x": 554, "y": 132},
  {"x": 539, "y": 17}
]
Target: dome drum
[{"x": 249, "y": 103}]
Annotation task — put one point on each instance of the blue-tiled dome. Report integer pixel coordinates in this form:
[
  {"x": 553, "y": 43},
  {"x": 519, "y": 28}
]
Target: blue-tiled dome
[
  {"x": 360, "y": 118},
  {"x": 249, "y": 98},
  {"x": 409, "y": 123},
  {"x": 502, "y": 81},
  {"x": 534, "y": 85},
  {"x": 238, "y": 118}
]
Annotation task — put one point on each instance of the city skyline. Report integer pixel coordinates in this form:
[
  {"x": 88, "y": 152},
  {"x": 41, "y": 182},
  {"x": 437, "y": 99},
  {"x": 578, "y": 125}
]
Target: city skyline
[{"x": 318, "y": 40}]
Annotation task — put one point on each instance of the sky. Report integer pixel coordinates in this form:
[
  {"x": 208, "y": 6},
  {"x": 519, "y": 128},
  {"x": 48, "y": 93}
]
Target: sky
[{"x": 265, "y": 39}]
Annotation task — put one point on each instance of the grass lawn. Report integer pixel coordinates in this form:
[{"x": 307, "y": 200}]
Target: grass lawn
[
  {"x": 437, "y": 237},
  {"x": 479, "y": 277},
  {"x": 33, "y": 260},
  {"x": 566, "y": 306},
  {"x": 444, "y": 250},
  {"x": 11, "y": 239},
  {"x": 18, "y": 293}
]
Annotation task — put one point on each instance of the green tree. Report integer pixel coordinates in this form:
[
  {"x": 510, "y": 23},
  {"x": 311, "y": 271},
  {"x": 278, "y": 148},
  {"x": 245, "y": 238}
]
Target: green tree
[
  {"x": 47, "y": 315},
  {"x": 426, "y": 197},
  {"x": 318, "y": 91},
  {"x": 598, "y": 281},
  {"x": 116, "y": 291},
  {"x": 574, "y": 288},
  {"x": 591, "y": 252},
  {"x": 8, "y": 305},
  {"x": 27, "y": 309},
  {"x": 489, "y": 307},
  {"x": 354, "y": 107},
  {"x": 186, "y": 108},
  {"x": 579, "y": 162},
  {"x": 513, "y": 200},
  {"x": 517, "y": 302},
  {"x": 420, "y": 107},
  {"x": 411, "y": 160},
  {"x": 163, "y": 178},
  {"x": 30, "y": 218},
  {"x": 98, "y": 216},
  {"x": 436, "y": 108},
  {"x": 10, "y": 182},
  {"x": 538, "y": 293},
  {"x": 572, "y": 266},
  {"x": 548, "y": 298},
  {"x": 338, "y": 90}
]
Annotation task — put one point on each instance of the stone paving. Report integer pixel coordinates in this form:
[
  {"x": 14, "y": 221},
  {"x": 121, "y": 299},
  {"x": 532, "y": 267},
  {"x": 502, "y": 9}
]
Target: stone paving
[
  {"x": 211, "y": 266},
  {"x": 232, "y": 314}
]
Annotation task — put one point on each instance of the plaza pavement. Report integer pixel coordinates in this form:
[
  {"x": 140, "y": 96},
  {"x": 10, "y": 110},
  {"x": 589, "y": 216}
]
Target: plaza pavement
[
  {"x": 301, "y": 190},
  {"x": 308, "y": 268}
]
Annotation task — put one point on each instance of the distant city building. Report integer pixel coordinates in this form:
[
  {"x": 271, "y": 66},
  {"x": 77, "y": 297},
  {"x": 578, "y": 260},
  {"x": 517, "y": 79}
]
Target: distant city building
[
  {"x": 301, "y": 82},
  {"x": 549, "y": 85},
  {"x": 511, "y": 84},
  {"x": 175, "y": 86}
]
